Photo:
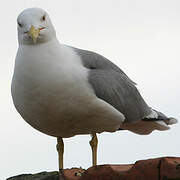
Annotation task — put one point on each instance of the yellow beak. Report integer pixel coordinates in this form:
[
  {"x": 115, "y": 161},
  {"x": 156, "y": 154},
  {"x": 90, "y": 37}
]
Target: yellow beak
[{"x": 34, "y": 33}]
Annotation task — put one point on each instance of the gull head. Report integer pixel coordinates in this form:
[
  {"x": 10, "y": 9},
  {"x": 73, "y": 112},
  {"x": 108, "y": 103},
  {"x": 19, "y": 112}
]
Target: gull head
[{"x": 34, "y": 27}]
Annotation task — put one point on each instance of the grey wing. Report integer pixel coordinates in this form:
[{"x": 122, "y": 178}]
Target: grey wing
[{"x": 112, "y": 85}]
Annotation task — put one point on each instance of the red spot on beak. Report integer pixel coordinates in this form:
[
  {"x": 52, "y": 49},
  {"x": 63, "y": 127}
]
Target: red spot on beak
[{"x": 41, "y": 28}]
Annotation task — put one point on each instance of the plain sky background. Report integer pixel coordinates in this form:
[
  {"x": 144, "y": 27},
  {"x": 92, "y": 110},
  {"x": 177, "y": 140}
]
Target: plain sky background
[{"x": 141, "y": 36}]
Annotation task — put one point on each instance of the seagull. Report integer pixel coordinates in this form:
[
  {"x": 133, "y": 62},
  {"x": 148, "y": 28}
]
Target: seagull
[{"x": 64, "y": 91}]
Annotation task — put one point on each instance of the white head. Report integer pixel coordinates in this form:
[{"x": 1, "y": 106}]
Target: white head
[{"x": 34, "y": 26}]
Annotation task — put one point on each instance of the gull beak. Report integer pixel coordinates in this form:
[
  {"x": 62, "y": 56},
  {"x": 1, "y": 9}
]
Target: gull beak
[{"x": 34, "y": 33}]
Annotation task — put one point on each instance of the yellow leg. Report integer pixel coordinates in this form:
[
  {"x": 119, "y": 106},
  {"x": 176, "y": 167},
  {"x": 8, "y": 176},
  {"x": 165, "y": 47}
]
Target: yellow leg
[
  {"x": 94, "y": 143},
  {"x": 60, "y": 149}
]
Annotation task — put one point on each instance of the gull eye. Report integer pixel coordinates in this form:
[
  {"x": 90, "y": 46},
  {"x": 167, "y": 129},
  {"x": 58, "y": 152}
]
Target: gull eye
[
  {"x": 20, "y": 25},
  {"x": 43, "y": 18}
]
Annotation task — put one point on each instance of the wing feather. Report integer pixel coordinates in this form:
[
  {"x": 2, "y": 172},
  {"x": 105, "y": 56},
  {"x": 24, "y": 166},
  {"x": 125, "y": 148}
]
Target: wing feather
[{"x": 112, "y": 85}]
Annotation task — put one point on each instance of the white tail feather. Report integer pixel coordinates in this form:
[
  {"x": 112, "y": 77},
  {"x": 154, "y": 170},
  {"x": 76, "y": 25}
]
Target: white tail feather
[{"x": 172, "y": 121}]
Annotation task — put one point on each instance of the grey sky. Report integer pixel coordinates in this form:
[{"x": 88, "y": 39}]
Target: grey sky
[{"x": 140, "y": 36}]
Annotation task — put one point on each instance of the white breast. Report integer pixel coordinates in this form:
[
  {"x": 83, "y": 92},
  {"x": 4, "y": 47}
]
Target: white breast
[{"x": 50, "y": 90}]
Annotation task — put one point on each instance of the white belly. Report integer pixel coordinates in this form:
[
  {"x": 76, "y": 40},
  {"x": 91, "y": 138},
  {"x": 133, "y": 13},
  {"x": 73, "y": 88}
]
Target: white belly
[{"x": 57, "y": 99}]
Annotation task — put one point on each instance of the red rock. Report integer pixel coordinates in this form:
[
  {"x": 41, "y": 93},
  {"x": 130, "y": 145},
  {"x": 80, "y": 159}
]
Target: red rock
[
  {"x": 167, "y": 168},
  {"x": 170, "y": 168},
  {"x": 72, "y": 174},
  {"x": 144, "y": 170},
  {"x": 106, "y": 172}
]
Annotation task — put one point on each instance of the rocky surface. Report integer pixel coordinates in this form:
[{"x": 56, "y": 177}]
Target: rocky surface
[
  {"x": 39, "y": 176},
  {"x": 167, "y": 168}
]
